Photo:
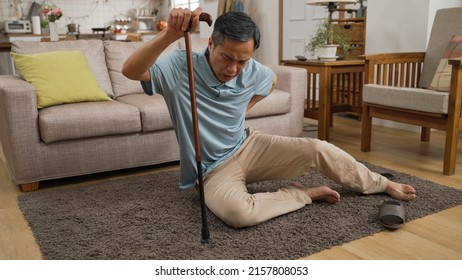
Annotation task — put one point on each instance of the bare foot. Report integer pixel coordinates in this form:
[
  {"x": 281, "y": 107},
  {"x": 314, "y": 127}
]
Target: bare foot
[
  {"x": 323, "y": 193},
  {"x": 400, "y": 191}
]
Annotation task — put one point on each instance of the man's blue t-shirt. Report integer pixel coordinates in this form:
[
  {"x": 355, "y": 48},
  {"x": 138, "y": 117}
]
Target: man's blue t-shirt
[{"x": 221, "y": 108}]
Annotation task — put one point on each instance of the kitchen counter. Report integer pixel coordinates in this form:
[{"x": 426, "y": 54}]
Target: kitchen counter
[
  {"x": 7, "y": 39},
  {"x": 5, "y": 46}
]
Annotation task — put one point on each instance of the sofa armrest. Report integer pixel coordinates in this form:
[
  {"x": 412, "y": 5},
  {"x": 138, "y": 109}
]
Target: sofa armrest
[
  {"x": 294, "y": 81},
  {"x": 19, "y": 130}
]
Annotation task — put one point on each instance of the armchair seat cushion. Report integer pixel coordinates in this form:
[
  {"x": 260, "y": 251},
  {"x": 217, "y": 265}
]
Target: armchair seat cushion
[{"x": 416, "y": 99}]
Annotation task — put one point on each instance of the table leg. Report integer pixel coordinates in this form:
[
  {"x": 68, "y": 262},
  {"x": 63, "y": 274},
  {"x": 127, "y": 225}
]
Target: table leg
[{"x": 323, "y": 108}]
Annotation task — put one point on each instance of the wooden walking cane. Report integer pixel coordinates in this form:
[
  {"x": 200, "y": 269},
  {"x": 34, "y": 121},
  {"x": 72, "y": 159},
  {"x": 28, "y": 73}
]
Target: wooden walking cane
[{"x": 197, "y": 147}]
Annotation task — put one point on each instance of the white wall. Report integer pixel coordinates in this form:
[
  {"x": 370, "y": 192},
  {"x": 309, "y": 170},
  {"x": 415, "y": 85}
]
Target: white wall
[
  {"x": 396, "y": 25},
  {"x": 435, "y": 5},
  {"x": 401, "y": 25},
  {"x": 266, "y": 15}
]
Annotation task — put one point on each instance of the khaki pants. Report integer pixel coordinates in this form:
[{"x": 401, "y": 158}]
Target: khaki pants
[{"x": 271, "y": 157}]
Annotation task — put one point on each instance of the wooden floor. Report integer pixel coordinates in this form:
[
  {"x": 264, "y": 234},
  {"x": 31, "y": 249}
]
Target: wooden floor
[{"x": 437, "y": 236}]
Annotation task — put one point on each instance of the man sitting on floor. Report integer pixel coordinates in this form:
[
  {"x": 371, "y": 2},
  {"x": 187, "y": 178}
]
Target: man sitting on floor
[{"x": 228, "y": 83}]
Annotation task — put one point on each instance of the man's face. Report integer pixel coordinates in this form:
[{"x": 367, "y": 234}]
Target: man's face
[{"x": 229, "y": 59}]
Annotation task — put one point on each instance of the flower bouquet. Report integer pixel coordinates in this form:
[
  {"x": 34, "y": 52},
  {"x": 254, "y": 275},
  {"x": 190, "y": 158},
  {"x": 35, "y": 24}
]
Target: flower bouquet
[{"x": 52, "y": 13}]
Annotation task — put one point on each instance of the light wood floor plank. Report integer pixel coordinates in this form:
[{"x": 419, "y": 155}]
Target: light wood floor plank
[
  {"x": 440, "y": 228},
  {"x": 16, "y": 239},
  {"x": 400, "y": 245}
]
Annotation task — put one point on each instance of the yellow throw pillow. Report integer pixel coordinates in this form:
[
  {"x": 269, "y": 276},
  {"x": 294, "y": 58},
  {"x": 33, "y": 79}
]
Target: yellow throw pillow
[
  {"x": 60, "y": 77},
  {"x": 442, "y": 78}
]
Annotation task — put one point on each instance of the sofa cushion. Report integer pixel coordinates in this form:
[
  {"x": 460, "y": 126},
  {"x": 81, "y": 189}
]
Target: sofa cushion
[
  {"x": 417, "y": 99},
  {"x": 154, "y": 112},
  {"x": 277, "y": 103},
  {"x": 93, "y": 50},
  {"x": 90, "y": 119},
  {"x": 57, "y": 83},
  {"x": 116, "y": 53}
]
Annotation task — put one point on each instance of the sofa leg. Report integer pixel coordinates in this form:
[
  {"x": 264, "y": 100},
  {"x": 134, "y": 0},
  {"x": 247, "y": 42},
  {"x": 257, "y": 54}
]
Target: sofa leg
[{"x": 29, "y": 187}]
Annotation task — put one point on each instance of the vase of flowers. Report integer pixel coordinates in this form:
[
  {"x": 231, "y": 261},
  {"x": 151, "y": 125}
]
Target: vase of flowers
[{"x": 52, "y": 13}]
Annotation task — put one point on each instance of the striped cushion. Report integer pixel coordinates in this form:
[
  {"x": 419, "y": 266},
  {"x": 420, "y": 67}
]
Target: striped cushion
[
  {"x": 454, "y": 48},
  {"x": 442, "y": 79}
]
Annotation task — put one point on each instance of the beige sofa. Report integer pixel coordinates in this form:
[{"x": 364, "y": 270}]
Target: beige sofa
[{"x": 131, "y": 130}]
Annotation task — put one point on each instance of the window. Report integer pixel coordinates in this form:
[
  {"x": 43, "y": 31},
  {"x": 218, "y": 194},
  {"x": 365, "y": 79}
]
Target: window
[{"x": 190, "y": 4}]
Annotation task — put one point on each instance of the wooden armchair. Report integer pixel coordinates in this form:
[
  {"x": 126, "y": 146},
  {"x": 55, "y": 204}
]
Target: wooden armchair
[{"x": 396, "y": 89}]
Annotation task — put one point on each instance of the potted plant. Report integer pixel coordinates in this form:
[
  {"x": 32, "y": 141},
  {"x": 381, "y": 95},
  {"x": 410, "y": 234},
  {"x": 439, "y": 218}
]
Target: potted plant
[{"x": 325, "y": 40}]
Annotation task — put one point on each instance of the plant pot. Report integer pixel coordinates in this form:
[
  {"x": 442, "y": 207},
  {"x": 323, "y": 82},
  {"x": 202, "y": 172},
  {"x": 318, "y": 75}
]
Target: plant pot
[{"x": 328, "y": 53}]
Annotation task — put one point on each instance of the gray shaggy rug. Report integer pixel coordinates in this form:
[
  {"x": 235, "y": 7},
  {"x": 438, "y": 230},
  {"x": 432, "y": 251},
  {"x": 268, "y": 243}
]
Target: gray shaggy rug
[{"x": 148, "y": 217}]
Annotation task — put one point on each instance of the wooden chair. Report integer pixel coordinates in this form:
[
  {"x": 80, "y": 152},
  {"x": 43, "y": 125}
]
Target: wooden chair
[{"x": 396, "y": 89}]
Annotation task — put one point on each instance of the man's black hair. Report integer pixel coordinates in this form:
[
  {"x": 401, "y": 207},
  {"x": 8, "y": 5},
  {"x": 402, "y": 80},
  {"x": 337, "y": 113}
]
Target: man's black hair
[{"x": 236, "y": 26}]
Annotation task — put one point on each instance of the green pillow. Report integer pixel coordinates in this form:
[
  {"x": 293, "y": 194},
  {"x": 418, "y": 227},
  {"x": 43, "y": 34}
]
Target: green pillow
[{"x": 59, "y": 77}]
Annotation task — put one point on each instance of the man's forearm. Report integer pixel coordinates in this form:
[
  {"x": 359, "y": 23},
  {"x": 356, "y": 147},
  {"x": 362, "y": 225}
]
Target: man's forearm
[{"x": 137, "y": 65}]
